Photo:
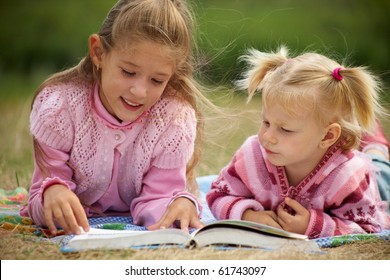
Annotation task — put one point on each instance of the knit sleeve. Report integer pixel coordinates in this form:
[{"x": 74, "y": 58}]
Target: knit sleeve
[
  {"x": 50, "y": 121},
  {"x": 160, "y": 189},
  {"x": 175, "y": 145},
  {"x": 230, "y": 196}
]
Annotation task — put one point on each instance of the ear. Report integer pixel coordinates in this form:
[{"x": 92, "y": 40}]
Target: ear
[
  {"x": 332, "y": 134},
  {"x": 95, "y": 49}
]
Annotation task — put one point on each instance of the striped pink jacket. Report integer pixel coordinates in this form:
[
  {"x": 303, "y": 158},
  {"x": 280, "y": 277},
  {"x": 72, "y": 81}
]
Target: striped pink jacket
[{"x": 340, "y": 192}]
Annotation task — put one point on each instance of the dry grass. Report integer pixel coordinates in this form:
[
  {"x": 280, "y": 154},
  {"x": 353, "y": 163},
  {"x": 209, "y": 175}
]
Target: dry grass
[
  {"x": 15, "y": 158},
  {"x": 27, "y": 248}
]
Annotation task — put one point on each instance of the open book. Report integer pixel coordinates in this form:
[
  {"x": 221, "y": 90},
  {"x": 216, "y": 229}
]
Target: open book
[{"x": 219, "y": 233}]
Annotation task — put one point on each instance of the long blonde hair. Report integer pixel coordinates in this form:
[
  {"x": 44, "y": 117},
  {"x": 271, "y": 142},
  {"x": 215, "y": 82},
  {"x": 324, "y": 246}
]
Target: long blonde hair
[
  {"x": 167, "y": 22},
  {"x": 307, "y": 83}
]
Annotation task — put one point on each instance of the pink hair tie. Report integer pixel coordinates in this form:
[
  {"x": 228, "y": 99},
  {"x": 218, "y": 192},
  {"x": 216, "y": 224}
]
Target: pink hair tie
[{"x": 336, "y": 74}]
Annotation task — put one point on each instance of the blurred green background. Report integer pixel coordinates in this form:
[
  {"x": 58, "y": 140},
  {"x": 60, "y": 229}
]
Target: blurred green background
[{"x": 41, "y": 36}]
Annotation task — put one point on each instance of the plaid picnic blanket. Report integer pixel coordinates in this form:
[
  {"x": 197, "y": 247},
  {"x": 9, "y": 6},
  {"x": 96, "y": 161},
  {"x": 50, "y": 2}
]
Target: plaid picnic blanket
[
  {"x": 12, "y": 200},
  {"x": 10, "y": 203}
]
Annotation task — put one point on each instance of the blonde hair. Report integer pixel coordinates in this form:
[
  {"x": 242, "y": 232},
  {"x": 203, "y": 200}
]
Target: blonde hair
[
  {"x": 167, "y": 22},
  {"x": 306, "y": 84}
]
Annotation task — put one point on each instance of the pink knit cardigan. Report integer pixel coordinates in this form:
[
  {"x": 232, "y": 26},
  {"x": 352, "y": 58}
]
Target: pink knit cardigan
[{"x": 103, "y": 160}]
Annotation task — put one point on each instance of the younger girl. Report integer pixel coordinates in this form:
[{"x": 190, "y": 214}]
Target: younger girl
[
  {"x": 302, "y": 172},
  {"x": 115, "y": 135}
]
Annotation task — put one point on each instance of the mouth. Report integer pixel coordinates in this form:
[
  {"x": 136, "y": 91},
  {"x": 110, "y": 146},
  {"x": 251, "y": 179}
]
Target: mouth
[
  {"x": 269, "y": 151},
  {"x": 131, "y": 103}
]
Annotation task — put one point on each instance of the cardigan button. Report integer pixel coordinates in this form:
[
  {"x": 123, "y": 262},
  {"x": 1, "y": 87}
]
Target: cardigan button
[{"x": 117, "y": 137}]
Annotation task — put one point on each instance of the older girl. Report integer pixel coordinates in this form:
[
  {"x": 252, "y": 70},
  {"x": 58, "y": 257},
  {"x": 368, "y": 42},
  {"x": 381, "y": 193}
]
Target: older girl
[{"x": 117, "y": 134}]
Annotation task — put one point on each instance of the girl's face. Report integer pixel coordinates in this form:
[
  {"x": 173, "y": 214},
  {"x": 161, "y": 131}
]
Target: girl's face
[
  {"x": 292, "y": 142},
  {"x": 133, "y": 79}
]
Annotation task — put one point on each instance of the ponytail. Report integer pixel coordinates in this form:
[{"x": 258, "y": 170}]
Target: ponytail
[
  {"x": 361, "y": 89},
  {"x": 260, "y": 64}
]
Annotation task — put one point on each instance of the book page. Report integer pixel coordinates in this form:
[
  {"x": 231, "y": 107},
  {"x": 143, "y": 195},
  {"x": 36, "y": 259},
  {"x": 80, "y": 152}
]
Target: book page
[
  {"x": 117, "y": 239},
  {"x": 248, "y": 225},
  {"x": 231, "y": 236}
]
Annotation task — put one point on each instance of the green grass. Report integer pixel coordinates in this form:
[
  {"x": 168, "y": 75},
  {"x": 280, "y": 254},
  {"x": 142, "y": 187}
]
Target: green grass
[{"x": 15, "y": 141}]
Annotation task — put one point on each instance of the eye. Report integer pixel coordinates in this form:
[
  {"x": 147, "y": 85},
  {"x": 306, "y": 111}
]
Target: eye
[
  {"x": 128, "y": 73},
  {"x": 265, "y": 123},
  {"x": 156, "y": 81},
  {"x": 286, "y": 130}
]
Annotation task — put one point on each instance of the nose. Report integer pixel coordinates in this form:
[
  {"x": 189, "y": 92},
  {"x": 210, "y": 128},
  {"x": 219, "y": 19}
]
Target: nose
[
  {"x": 139, "y": 89},
  {"x": 269, "y": 136}
]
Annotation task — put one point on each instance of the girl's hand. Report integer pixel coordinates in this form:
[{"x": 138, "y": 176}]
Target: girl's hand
[
  {"x": 61, "y": 205},
  {"x": 182, "y": 210},
  {"x": 295, "y": 223},
  {"x": 263, "y": 217}
]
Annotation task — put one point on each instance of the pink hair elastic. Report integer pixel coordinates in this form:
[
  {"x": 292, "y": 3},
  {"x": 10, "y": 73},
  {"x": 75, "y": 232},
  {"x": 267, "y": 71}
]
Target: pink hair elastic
[{"x": 336, "y": 74}]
